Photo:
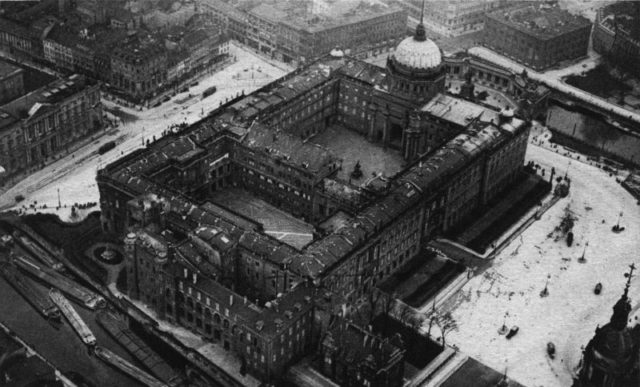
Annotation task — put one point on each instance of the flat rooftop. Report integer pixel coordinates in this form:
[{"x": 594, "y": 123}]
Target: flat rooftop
[
  {"x": 421, "y": 279},
  {"x": 275, "y": 222},
  {"x": 472, "y": 373},
  {"x": 42, "y": 100},
  {"x": 7, "y": 69},
  {"x": 541, "y": 21},
  {"x": 459, "y": 111},
  {"x": 322, "y": 16},
  {"x": 291, "y": 148},
  {"x": 353, "y": 147}
]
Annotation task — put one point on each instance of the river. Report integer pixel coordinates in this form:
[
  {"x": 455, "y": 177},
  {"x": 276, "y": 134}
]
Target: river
[{"x": 61, "y": 346}]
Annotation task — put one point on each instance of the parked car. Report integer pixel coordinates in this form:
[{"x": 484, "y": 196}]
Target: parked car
[
  {"x": 598, "y": 288},
  {"x": 513, "y": 331},
  {"x": 551, "y": 350}
]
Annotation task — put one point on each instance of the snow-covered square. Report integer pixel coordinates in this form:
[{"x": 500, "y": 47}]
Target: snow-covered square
[{"x": 570, "y": 313}]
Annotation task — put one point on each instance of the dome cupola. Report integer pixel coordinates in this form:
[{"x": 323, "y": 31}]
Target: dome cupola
[
  {"x": 418, "y": 52},
  {"x": 416, "y": 71}
]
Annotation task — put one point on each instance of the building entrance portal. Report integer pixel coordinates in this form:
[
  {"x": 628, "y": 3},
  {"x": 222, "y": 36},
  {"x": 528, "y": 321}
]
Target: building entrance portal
[{"x": 395, "y": 136}]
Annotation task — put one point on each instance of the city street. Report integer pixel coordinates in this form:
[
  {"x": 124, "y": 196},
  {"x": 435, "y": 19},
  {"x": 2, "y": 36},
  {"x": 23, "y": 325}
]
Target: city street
[
  {"x": 74, "y": 175},
  {"x": 570, "y": 313}
]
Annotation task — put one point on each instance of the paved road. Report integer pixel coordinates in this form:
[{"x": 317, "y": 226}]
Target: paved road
[{"x": 74, "y": 174}]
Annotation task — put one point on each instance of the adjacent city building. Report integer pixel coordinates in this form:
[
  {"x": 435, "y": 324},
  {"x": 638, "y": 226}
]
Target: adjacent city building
[
  {"x": 458, "y": 17},
  {"x": 300, "y": 32},
  {"x": 137, "y": 57},
  {"x": 616, "y": 34},
  {"x": 303, "y": 150},
  {"x": 38, "y": 126},
  {"x": 537, "y": 35}
]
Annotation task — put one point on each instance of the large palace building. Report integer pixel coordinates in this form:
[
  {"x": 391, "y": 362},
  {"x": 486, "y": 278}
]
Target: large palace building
[{"x": 301, "y": 149}]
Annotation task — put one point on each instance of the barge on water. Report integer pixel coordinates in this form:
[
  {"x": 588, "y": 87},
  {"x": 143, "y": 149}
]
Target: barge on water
[
  {"x": 78, "y": 324},
  {"x": 36, "y": 297},
  {"x": 119, "y": 330},
  {"x": 38, "y": 252},
  {"x": 51, "y": 277},
  {"x": 128, "y": 368}
]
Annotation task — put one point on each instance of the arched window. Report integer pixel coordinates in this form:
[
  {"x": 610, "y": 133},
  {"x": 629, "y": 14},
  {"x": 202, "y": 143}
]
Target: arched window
[{"x": 216, "y": 318}]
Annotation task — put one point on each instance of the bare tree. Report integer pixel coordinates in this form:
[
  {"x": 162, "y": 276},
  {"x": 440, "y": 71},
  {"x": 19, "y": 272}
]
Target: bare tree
[
  {"x": 431, "y": 316},
  {"x": 446, "y": 323}
]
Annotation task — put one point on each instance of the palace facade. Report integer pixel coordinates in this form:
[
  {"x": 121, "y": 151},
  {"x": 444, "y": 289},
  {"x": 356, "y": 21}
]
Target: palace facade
[{"x": 219, "y": 274}]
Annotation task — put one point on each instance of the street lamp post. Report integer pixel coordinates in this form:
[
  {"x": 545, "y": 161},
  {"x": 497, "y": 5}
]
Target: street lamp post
[
  {"x": 545, "y": 292},
  {"x": 582, "y": 259},
  {"x": 503, "y": 329}
]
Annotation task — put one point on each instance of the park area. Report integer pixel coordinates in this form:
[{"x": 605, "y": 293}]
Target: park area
[{"x": 611, "y": 84}]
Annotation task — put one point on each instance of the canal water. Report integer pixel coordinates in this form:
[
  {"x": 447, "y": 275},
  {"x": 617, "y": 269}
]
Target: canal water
[{"x": 59, "y": 344}]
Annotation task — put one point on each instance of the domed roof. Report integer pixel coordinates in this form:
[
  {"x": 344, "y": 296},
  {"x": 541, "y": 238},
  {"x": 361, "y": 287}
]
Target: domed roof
[
  {"x": 418, "y": 52},
  {"x": 615, "y": 344},
  {"x": 614, "y": 347}
]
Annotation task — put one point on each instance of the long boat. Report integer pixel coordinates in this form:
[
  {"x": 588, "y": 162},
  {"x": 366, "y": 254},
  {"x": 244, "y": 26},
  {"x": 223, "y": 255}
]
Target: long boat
[
  {"x": 37, "y": 298},
  {"x": 77, "y": 323},
  {"x": 128, "y": 368},
  {"x": 120, "y": 331},
  {"x": 38, "y": 252},
  {"x": 53, "y": 278}
]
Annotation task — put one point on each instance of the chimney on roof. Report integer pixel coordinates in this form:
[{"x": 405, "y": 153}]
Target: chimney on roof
[
  {"x": 230, "y": 299},
  {"x": 245, "y": 300}
]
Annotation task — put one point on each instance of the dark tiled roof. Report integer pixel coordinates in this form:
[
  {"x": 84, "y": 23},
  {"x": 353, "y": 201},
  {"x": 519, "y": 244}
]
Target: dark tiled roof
[
  {"x": 541, "y": 21},
  {"x": 7, "y": 69},
  {"x": 289, "y": 149}
]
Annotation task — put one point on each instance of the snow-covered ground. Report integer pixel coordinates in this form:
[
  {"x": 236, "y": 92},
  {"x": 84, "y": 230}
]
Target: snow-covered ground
[
  {"x": 569, "y": 315},
  {"x": 74, "y": 175},
  {"x": 586, "y": 8}
]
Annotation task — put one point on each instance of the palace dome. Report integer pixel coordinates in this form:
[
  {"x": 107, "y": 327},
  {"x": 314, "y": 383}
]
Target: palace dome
[
  {"x": 418, "y": 52},
  {"x": 615, "y": 347}
]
